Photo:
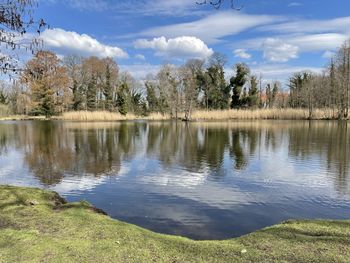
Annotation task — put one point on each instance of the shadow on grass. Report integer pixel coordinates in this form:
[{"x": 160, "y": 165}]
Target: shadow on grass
[
  {"x": 307, "y": 236},
  {"x": 7, "y": 223},
  {"x": 19, "y": 200},
  {"x": 79, "y": 205}
]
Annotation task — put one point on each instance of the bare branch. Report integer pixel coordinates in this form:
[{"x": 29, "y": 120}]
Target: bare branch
[
  {"x": 218, "y": 3},
  {"x": 16, "y": 19}
]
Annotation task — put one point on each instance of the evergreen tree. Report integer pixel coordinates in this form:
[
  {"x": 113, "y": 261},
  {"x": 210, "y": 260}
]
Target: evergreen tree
[
  {"x": 237, "y": 82},
  {"x": 253, "y": 92},
  {"x": 216, "y": 92},
  {"x": 77, "y": 96},
  {"x": 274, "y": 92},
  {"x": 151, "y": 98},
  {"x": 136, "y": 103},
  {"x": 3, "y": 97},
  {"x": 123, "y": 98},
  {"x": 91, "y": 93},
  {"x": 268, "y": 95},
  {"x": 297, "y": 85},
  {"x": 108, "y": 90}
]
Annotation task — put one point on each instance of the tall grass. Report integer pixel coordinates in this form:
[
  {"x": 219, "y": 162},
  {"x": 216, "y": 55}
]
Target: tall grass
[
  {"x": 263, "y": 114},
  {"x": 107, "y": 116},
  {"x": 202, "y": 115},
  {"x": 4, "y": 111}
]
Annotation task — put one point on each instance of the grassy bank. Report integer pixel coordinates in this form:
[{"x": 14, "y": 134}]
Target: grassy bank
[{"x": 38, "y": 226}]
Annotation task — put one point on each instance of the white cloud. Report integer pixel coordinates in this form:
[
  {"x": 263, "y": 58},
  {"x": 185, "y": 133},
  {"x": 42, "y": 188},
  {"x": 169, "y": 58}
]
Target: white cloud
[
  {"x": 336, "y": 25},
  {"x": 83, "y": 5},
  {"x": 280, "y": 72},
  {"x": 65, "y": 42},
  {"x": 213, "y": 27},
  {"x": 242, "y": 53},
  {"x": 276, "y": 50},
  {"x": 141, "y": 71},
  {"x": 304, "y": 42},
  {"x": 89, "y": 5},
  {"x": 317, "y": 42},
  {"x": 143, "y": 7},
  {"x": 164, "y": 8},
  {"x": 294, "y": 4},
  {"x": 328, "y": 54},
  {"x": 179, "y": 47},
  {"x": 140, "y": 57}
]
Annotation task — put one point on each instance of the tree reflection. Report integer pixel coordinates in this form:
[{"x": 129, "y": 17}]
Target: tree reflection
[
  {"x": 54, "y": 150},
  {"x": 328, "y": 139}
]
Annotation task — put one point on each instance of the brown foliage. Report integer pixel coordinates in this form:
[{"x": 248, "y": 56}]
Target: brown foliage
[{"x": 47, "y": 83}]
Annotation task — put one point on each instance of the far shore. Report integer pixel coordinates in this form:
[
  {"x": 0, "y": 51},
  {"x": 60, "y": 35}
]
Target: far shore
[{"x": 201, "y": 115}]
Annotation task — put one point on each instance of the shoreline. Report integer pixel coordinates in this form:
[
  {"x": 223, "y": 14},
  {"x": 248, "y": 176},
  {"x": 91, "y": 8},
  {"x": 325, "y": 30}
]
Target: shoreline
[{"x": 39, "y": 225}]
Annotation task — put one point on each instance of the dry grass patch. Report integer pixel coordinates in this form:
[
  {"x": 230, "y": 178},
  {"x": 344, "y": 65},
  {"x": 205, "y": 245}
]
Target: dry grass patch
[
  {"x": 263, "y": 114},
  {"x": 107, "y": 116}
]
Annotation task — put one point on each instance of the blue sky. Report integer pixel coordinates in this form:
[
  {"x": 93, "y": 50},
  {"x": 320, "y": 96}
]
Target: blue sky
[{"x": 274, "y": 37}]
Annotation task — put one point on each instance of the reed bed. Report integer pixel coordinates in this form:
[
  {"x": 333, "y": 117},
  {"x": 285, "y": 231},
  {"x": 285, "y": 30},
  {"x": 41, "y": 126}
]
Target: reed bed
[
  {"x": 203, "y": 115},
  {"x": 22, "y": 118},
  {"x": 263, "y": 114},
  {"x": 107, "y": 116},
  {"x": 4, "y": 111}
]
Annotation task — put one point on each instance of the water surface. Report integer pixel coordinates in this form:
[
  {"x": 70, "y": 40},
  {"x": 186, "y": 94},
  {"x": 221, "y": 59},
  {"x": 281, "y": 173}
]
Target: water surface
[{"x": 200, "y": 180}]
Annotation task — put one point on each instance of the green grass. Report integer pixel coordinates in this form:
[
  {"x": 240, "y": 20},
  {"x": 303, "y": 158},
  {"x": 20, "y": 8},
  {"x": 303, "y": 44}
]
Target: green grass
[{"x": 38, "y": 226}]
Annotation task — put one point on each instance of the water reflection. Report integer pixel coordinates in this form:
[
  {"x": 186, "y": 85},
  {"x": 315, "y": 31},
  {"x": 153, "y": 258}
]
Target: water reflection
[
  {"x": 54, "y": 149},
  {"x": 228, "y": 178}
]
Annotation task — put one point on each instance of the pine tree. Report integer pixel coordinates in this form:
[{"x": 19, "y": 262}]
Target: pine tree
[
  {"x": 237, "y": 83},
  {"x": 91, "y": 93},
  {"x": 274, "y": 92},
  {"x": 151, "y": 98},
  {"x": 108, "y": 90},
  {"x": 123, "y": 98},
  {"x": 216, "y": 92},
  {"x": 77, "y": 96},
  {"x": 3, "y": 97},
  {"x": 253, "y": 92}
]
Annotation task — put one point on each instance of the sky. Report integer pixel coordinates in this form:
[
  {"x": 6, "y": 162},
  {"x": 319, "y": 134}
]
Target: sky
[{"x": 274, "y": 37}]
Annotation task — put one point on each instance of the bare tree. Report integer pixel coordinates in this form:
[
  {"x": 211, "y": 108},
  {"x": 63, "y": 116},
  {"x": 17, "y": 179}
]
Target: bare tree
[
  {"x": 343, "y": 75},
  {"x": 16, "y": 19},
  {"x": 168, "y": 78},
  {"x": 189, "y": 74}
]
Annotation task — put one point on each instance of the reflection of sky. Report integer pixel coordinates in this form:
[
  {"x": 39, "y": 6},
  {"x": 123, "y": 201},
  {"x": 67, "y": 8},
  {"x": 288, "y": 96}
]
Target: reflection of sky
[
  {"x": 13, "y": 171},
  {"x": 203, "y": 203}
]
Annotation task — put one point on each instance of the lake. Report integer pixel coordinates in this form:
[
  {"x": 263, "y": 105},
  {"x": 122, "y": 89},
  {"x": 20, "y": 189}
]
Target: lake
[{"x": 199, "y": 180}]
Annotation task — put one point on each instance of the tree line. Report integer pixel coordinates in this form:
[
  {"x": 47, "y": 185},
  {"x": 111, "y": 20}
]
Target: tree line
[{"x": 50, "y": 86}]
